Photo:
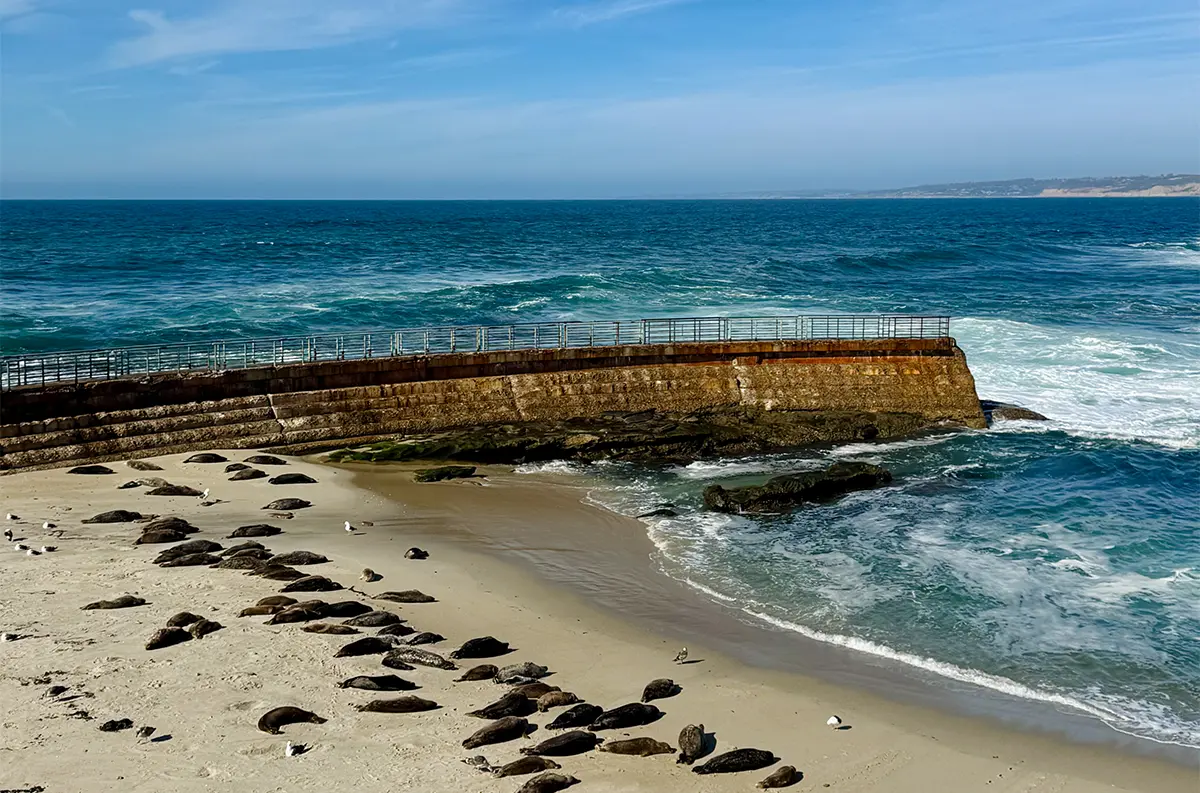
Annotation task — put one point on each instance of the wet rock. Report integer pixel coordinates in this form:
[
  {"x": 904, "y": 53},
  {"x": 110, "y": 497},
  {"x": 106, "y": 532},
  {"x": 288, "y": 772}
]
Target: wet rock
[
  {"x": 287, "y": 504},
  {"x": 114, "y": 516},
  {"x": 174, "y": 490},
  {"x": 1004, "y": 411},
  {"x": 206, "y": 457},
  {"x": 785, "y": 492},
  {"x": 292, "y": 478},
  {"x": 444, "y": 472},
  {"x": 91, "y": 470}
]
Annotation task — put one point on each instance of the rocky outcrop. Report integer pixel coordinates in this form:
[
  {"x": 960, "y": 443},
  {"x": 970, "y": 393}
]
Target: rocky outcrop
[
  {"x": 1004, "y": 411},
  {"x": 786, "y": 492},
  {"x": 444, "y": 472}
]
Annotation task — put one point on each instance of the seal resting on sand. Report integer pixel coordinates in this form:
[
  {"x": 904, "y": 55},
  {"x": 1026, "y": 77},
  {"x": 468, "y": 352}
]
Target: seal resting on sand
[
  {"x": 482, "y": 647},
  {"x": 785, "y": 776},
  {"x": 405, "y": 704},
  {"x": 275, "y": 718},
  {"x": 287, "y": 504},
  {"x": 368, "y": 575},
  {"x": 398, "y": 629},
  {"x": 691, "y": 743},
  {"x": 256, "y": 530},
  {"x": 510, "y": 704},
  {"x": 581, "y": 715},
  {"x": 206, "y": 457},
  {"x": 202, "y": 627},
  {"x": 152, "y": 536},
  {"x": 243, "y": 563},
  {"x": 481, "y": 672},
  {"x": 122, "y": 602},
  {"x": 534, "y": 690},
  {"x": 635, "y": 714},
  {"x": 642, "y": 747},
  {"x": 555, "y": 699},
  {"x": 183, "y": 619},
  {"x": 526, "y": 765},
  {"x": 526, "y": 669},
  {"x": 507, "y": 729},
  {"x": 660, "y": 689},
  {"x": 737, "y": 760},
  {"x": 424, "y": 637},
  {"x": 265, "y": 459},
  {"x": 193, "y": 560},
  {"x": 247, "y": 473},
  {"x": 346, "y": 608},
  {"x": 165, "y": 637},
  {"x": 368, "y": 645},
  {"x": 260, "y": 611},
  {"x": 548, "y": 782},
  {"x": 233, "y": 550},
  {"x": 416, "y": 655},
  {"x": 325, "y": 627},
  {"x": 312, "y": 583},
  {"x": 114, "y": 516},
  {"x": 407, "y": 596},
  {"x": 300, "y": 557},
  {"x": 378, "y": 683},
  {"x": 277, "y": 600},
  {"x": 569, "y": 743},
  {"x": 374, "y": 619}
]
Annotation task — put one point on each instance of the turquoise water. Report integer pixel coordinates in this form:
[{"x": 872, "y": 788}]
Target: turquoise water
[{"x": 1055, "y": 561}]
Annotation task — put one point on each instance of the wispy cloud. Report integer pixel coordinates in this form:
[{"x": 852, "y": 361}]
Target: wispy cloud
[
  {"x": 273, "y": 25},
  {"x": 15, "y": 8},
  {"x": 451, "y": 59},
  {"x": 591, "y": 13}
]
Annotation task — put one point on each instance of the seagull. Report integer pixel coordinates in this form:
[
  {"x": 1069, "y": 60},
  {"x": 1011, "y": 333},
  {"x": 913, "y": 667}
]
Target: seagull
[
  {"x": 11, "y": 516},
  {"x": 293, "y": 749},
  {"x": 144, "y": 732},
  {"x": 8, "y": 535},
  {"x": 349, "y": 527},
  {"x": 204, "y": 495},
  {"x": 834, "y": 722},
  {"x": 48, "y": 525},
  {"x": 681, "y": 656},
  {"x": 49, "y": 548},
  {"x": 31, "y": 552},
  {"x": 20, "y": 547},
  {"x": 8, "y": 637}
]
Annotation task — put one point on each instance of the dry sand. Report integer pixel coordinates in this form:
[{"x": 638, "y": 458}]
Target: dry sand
[{"x": 208, "y": 694}]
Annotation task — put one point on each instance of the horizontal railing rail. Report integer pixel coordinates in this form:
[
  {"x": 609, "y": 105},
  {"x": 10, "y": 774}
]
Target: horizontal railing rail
[{"x": 76, "y": 366}]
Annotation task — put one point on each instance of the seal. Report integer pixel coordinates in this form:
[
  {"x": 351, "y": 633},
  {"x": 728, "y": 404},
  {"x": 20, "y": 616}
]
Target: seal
[
  {"x": 548, "y": 782},
  {"x": 785, "y": 776},
  {"x": 368, "y": 575},
  {"x": 374, "y": 619},
  {"x": 660, "y": 689},
  {"x": 635, "y": 714},
  {"x": 508, "y": 728},
  {"x": 292, "y": 478},
  {"x": 396, "y": 663},
  {"x": 248, "y": 545},
  {"x": 642, "y": 747},
  {"x": 247, "y": 473},
  {"x": 242, "y": 563},
  {"x": 737, "y": 760},
  {"x": 259, "y": 554},
  {"x": 206, "y": 457},
  {"x": 424, "y": 637},
  {"x": 174, "y": 490},
  {"x": 170, "y": 522},
  {"x": 143, "y": 465},
  {"x": 235, "y": 467},
  {"x": 277, "y": 600},
  {"x": 346, "y": 608},
  {"x": 482, "y": 647},
  {"x": 511, "y": 704},
  {"x": 287, "y": 504},
  {"x": 185, "y": 548},
  {"x": 534, "y": 690},
  {"x": 259, "y": 611},
  {"x": 378, "y": 683},
  {"x": 415, "y": 655},
  {"x": 526, "y": 669},
  {"x": 581, "y": 715},
  {"x": 407, "y": 596},
  {"x": 368, "y": 645},
  {"x": 691, "y": 743},
  {"x": 555, "y": 699},
  {"x": 416, "y": 553},
  {"x": 300, "y": 557},
  {"x": 91, "y": 470},
  {"x": 481, "y": 672},
  {"x": 202, "y": 627},
  {"x": 255, "y": 530},
  {"x": 277, "y": 572},
  {"x": 405, "y": 704},
  {"x": 166, "y": 637},
  {"x": 301, "y": 612},
  {"x": 312, "y": 583},
  {"x": 526, "y": 765},
  {"x": 153, "y": 536},
  {"x": 121, "y": 602},
  {"x": 565, "y": 745},
  {"x": 275, "y": 718},
  {"x": 183, "y": 619},
  {"x": 193, "y": 560},
  {"x": 398, "y": 629},
  {"x": 265, "y": 459},
  {"x": 114, "y": 516},
  {"x": 325, "y": 627}
]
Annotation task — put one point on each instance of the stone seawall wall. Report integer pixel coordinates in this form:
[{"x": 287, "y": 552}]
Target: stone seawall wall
[{"x": 309, "y": 404}]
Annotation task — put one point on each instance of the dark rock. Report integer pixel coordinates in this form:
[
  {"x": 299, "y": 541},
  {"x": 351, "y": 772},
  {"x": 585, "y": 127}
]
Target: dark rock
[
  {"x": 256, "y": 530},
  {"x": 286, "y": 504},
  {"x": 114, "y": 516},
  {"x": 174, "y": 490},
  {"x": 1003, "y": 411},
  {"x": 232, "y": 467},
  {"x": 444, "y": 472},
  {"x": 248, "y": 473},
  {"x": 407, "y": 596},
  {"x": 116, "y": 725},
  {"x": 143, "y": 465},
  {"x": 292, "y": 478},
  {"x": 299, "y": 557},
  {"x": 121, "y": 602},
  {"x": 265, "y": 459},
  {"x": 91, "y": 469},
  {"x": 785, "y": 492},
  {"x": 206, "y": 457}
]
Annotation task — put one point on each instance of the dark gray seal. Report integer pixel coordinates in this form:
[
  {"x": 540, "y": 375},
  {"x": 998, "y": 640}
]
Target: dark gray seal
[
  {"x": 416, "y": 554},
  {"x": 737, "y": 760},
  {"x": 277, "y": 600},
  {"x": 185, "y": 548},
  {"x": 507, "y": 729},
  {"x": 481, "y": 672},
  {"x": 329, "y": 629},
  {"x": 368, "y": 645},
  {"x": 635, "y": 714},
  {"x": 206, "y": 457},
  {"x": 405, "y": 704},
  {"x": 298, "y": 613},
  {"x": 508, "y": 705},
  {"x": 397, "y": 629},
  {"x": 642, "y": 747},
  {"x": 482, "y": 647},
  {"x": 292, "y": 478},
  {"x": 784, "y": 776},
  {"x": 193, "y": 560},
  {"x": 526, "y": 765},
  {"x": 183, "y": 619},
  {"x": 287, "y": 504},
  {"x": 424, "y": 637},
  {"x": 581, "y": 715},
  {"x": 259, "y": 611},
  {"x": 548, "y": 782},
  {"x": 275, "y": 718},
  {"x": 114, "y": 516},
  {"x": 275, "y": 572},
  {"x": 374, "y": 619},
  {"x": 660, "y": 689},
  {"x": 174, "y": 490},
  {"x": 143, "y": 465},
  {"x": 265, "y": 459},
  {"x": 166, "y": 637},
  {"x": 248, "y": 545},
  {"x": 407, "y": 596},
  {"x": 300, "y": 557},
  {"x": 535, "y": 690},
  {"x": 565, "y": 745},
  {"x": 156, "y": 536},
  {"x": 256, "y": 530},
  {"x": 170, "y": 522},
  {"x": 378, "y": 683},
  {"x": 248, "y": 473},
  {"x": 415, "y": 655},
  {"x": 121, "y": 602},
  {"x": 202, "y": 627},
  {"x": 91, "y": 470},
  {"x": 242, "y": 563},
  {"x": 312, "y": 583},
  {"x": 346, "y": 608},
  {"x": 691, "y": 743}
]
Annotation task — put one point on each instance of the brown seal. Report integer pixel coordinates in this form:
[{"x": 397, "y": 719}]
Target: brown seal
[
  {"x": 785, "y": 776},
  {"x": 203, "y": 627},
  {"x": 526, "y": 765},
  {"x": 548, "y": 782},
  {"x": 275, "y": 718},
  {"x": 481, "y": 672},
  {"x": 508, "y": 728},
  {"x": 122, "y": 602},
  {"x": 569, "y": 743},
  {"x": 183, "y": 619},
  {"x": 165, "y": 637},
  {"x": 325, "y": 627},
  {"x": 555, "y": 699},
  {"x": 660, "y": 689},
  {"x": 404, "y": 704},
  {"x": 260, "y": 611},
  {"x": 277, "y": 600},
  {"x": 642, "y": 747},
  {"x": 691, "y": 743}
]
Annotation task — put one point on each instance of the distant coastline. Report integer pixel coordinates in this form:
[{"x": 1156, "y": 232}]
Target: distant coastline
[{"x": 1163, "y": 186}]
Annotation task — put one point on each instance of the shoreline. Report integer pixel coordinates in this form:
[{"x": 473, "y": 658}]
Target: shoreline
[{"x": 207, "y": 694}]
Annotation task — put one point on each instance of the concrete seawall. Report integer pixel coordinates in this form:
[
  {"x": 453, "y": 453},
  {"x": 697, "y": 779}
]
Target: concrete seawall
[{"x": 317, "y": 404}]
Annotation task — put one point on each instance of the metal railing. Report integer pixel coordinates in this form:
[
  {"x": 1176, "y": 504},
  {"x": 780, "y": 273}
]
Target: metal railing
[{"x": 86, "y": 365}]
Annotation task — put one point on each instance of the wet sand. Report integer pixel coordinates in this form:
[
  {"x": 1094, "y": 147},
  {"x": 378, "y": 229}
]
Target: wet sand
[{"x": 613, "y": 626}]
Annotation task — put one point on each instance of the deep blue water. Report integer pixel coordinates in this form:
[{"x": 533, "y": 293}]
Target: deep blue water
[{"x": 1057, "y": 561}]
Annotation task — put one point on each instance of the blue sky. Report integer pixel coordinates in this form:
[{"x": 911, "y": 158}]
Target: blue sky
[{"x": 586, "y": 98}]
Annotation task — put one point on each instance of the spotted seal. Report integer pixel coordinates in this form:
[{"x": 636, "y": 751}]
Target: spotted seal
[
  {"x": 737, "y": 760},
  {"x": 784, "y": 776},
  {"x": 691, "y": 743}
]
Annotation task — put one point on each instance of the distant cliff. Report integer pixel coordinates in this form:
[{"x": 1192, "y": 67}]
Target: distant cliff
[{"x": 1167, "y": 185}]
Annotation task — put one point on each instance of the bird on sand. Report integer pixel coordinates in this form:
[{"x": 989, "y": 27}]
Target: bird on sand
[
  {"x": 8, "y": 637},
  {"x": 681, "y": 656},
  {"x": 11, "y": 516},
  {"x": 49, "y": 548},
  {"x": 20, "y": 547},
  {"x": 48, "y": 525},
  {"x": 8, "y": 535},
  {"x": 144, "y": 732},
  {"x": 293, "y": 749},
  {"x": 834, "y": 722},
  {"x": 349, "y": 527},
  {"x": 204, "y": 495}
]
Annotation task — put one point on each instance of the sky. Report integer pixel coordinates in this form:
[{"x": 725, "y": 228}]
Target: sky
[{"x": 586, "y": 98}]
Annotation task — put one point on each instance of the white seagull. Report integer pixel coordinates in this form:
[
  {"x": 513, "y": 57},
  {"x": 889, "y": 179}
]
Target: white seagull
[
  {"x": 293, "y": 749},
  {"x": 48, "y": 525},
  {"x": 8, "y": 637},
  {"x": 681, "y": 656},
  {"x": 49, "y": 548},
  {"x": 349, "y": 527},
  {"x": 204, "y": 495},
  {"x": 11, "y": 516},
  {"x": 31, "y": 552},
  {"x": 8, "y": 535},
  {"x": 20, "y": 547},
  {"x": 834, "y": 722}
]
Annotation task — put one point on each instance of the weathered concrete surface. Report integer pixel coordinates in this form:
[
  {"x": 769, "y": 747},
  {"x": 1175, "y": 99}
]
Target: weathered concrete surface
[{"x": 314, "y": 404}]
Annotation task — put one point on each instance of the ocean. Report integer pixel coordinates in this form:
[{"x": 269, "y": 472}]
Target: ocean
[{"x": 1054, "y": 561}]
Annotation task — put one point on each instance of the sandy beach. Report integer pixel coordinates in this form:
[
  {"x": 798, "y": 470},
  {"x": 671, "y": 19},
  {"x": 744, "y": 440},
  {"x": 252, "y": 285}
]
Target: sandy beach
[{"x": 486, "y": 539}]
